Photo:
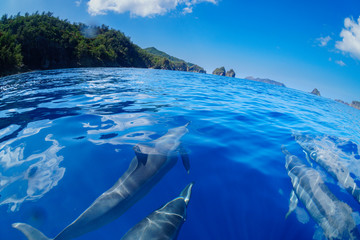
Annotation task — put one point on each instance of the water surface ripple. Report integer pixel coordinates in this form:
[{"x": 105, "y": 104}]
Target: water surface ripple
[{"x": 67, "y": 135}]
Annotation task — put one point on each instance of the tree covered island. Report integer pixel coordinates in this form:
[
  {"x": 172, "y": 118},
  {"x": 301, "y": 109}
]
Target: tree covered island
[{"x": 42, "y": 41}]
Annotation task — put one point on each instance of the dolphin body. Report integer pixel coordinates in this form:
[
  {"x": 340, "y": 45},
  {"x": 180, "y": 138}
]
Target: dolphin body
[
  {"x": 164, "y": 223},
  {"x": 332, "y": 215},
  {"x": 152, "y": 161},
  {"x": 331, "y": 164}
]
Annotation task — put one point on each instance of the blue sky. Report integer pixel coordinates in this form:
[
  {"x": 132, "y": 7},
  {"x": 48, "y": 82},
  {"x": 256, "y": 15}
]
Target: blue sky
[{"x": 304, "y": 44}]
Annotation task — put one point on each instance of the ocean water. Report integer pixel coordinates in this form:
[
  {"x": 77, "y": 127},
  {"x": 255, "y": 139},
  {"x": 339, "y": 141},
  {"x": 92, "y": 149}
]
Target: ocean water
[{"x": 66, "y": 136}]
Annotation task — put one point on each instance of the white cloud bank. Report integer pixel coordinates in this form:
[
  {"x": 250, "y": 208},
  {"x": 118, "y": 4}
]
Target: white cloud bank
[
  {"x": 142, "y": 8},
  {"x": 350, "y": 38}
]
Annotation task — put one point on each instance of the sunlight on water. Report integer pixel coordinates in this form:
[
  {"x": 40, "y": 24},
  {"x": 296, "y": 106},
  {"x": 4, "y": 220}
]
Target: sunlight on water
[
  {"x": 35, "y": 174},
  {"x": 67, "y": 136}
]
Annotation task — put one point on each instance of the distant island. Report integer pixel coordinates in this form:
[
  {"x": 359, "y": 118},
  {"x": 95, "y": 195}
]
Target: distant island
[
  {"x": 354, "y": 104},
  {"x": 266, "y": 80},
  {"x": 42, "y": 41}
]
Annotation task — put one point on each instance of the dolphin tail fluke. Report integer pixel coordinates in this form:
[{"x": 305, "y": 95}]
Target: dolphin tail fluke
[
  {"x": 30, "y": 232},
  {"x": 186, "y": 193}
]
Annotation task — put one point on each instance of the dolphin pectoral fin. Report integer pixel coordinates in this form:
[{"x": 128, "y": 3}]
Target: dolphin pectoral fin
[
  {"x": 187, "y": 124},
  {"x": 284, "y": 150},
  {"x": 185, "y": 158},
  {"x": 307, "y": 158},
  {"x": 30, "y": 232},
  {"x": 293, "y": 203},
  {"x": 142, "y": 157}
]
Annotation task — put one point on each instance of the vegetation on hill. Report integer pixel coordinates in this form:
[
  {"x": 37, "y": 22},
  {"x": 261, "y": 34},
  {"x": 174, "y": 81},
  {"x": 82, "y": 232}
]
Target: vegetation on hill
[
  {"x": 163, "y": 59},
  {"x": 265, "y": 80},
  {"x": 42, "y": 41}
]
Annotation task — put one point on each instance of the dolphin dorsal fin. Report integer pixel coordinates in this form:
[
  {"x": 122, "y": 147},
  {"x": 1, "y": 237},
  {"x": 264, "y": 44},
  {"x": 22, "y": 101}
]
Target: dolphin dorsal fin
[
  {"x": 185, "y": 158},
  {"x": 141, "y": 157},
  {"x": 142, "y": 151}
]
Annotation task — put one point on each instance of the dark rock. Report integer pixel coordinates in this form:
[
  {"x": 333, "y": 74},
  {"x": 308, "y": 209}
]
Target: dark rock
[
  {"x": 219, "y": 71},
  {"x": 266, "y": 80},
  {"x": 355, "y": 104},
  {"x": 230, "y": 73},
  {"x": 315, "y": 92}
]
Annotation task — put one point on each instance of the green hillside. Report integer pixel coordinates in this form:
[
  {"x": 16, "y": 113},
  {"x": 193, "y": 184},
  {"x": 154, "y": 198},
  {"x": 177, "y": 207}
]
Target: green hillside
[
  {"x": 42, "y": 41},
  {"x": 159, "y": 53},
  {"x": 174, "y": 62}
]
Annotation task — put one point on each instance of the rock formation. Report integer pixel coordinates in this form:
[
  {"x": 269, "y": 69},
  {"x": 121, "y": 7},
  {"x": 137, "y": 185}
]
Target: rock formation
[
  {"x": 230, "y": 73},
  {"x": 315, "y": 92},
  {"x": 355, "y": 104},
  {"x": 341, "y": 101},
  {"x": 219, "y": 71}
]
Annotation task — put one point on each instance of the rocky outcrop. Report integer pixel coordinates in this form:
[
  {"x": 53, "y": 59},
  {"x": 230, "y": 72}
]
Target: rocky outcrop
[
  {"x": 355, "y": 104},
  {"x": 222, "y": 72},
  {"x": 341, "y": 101},
  {"x": 266, "y": 80},
  {"x": 219, "y": 71},
  {"x": 315, "y": 92},
  {"x": 230, "y": 73}
]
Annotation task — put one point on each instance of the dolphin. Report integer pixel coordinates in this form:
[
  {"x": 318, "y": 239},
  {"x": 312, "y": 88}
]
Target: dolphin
[
  {"x": 331, "y": 163},
  {"x": 152, "y": 161},
  {"x": 332, "y": 215},
  {"x": 164, "y": 223}
]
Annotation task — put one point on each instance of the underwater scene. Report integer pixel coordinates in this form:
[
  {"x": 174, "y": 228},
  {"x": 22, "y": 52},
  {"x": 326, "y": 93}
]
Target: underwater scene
[{"x": 122, "y": 153}]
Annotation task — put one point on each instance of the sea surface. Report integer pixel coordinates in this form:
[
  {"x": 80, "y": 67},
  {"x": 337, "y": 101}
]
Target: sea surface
[{"x": 66, "y": 136}]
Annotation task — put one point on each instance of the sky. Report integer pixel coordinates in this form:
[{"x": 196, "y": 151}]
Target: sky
[{"x": 303, "y": 44}]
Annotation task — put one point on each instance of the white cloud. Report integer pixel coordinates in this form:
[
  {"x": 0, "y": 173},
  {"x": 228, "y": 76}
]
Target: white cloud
[
  {"x": 78, "y": 3},
  {"x": 142, "y": 8},
  {"x": 341, "y": 63},
  {"x": 350, "y": 38},
  {"x": 323, "y": 41}
]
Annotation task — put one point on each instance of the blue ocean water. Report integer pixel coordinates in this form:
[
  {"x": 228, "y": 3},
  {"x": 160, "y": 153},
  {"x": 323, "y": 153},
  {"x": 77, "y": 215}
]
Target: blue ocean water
[{"x": 66, "y": 136}]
